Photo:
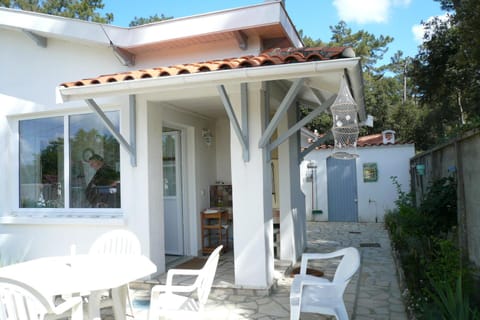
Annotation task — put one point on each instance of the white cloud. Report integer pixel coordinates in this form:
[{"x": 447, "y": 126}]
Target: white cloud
[
  {"x": 367, "y": 11},
  {"x": 401, "y": 3},
  {"x": 419, "y": 31}
]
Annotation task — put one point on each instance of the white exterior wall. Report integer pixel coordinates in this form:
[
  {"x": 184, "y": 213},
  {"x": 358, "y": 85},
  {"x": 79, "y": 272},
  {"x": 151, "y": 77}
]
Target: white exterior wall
[
  {"x": 374, "y": 198},
  {"x": 222, "y": 143},
  {"x": 28, "y": 80}
]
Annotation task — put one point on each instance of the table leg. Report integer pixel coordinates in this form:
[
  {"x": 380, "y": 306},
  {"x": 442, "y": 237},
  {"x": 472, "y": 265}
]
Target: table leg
[
  {"x": 94, "y": 305},
  {"x": 119, "y": 297}
]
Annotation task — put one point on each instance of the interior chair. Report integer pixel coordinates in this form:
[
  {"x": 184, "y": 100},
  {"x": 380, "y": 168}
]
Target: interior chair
[
  {"x": 164, "y": 302},
  {"x": 319, "y": 295},
  {"x": 116, "y": 242},
  {"x": 19, "y": 301}
]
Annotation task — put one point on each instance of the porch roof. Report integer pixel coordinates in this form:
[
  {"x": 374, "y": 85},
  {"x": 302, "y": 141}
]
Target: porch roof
[{"x": 321, "y": 67}]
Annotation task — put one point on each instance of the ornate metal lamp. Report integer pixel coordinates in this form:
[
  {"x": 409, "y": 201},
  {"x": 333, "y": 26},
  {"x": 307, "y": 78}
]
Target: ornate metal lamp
[{"x": 345, "y": 124}]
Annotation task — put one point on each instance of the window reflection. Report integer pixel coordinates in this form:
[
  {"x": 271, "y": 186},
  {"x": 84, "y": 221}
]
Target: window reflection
[
  {"x": 95, "y": 162},
  {"x": 41, "y": 163},
  {"x": 169, "y": 165}
]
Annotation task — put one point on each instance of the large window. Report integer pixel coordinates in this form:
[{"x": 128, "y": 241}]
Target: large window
[{"x": 92, "y": 178}]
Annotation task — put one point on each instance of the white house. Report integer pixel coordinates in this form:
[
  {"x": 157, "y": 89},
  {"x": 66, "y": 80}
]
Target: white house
[
  {"x": 171, "y": 108},
  {"x": 359, "y": 189}
]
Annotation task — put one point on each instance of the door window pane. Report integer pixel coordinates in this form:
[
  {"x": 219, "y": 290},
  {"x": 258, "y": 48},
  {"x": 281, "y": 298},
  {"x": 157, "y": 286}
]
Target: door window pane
[
  {"x": 94, "y": 162},
  {"x": 41, "y": 163},
  {"x": 169, "y": 168}
]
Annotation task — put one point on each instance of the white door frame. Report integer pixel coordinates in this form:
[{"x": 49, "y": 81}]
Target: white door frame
[{"x": 184, "y": 182}]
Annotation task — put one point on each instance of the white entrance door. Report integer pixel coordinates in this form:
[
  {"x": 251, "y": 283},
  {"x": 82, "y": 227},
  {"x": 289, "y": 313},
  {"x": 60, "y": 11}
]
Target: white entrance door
[{"x": 172, "y": 192}]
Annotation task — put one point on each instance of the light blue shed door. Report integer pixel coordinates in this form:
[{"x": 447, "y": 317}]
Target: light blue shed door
[{"x": 342, "y": 190}]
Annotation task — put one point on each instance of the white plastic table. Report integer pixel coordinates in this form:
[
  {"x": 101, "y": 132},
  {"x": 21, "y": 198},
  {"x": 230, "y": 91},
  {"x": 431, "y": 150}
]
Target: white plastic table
[{"x": 83, "y": 274}]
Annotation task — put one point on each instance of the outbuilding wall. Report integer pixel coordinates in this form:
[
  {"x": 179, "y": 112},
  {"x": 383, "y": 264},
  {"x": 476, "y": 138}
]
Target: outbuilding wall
[{"x": 374, "y": 198}]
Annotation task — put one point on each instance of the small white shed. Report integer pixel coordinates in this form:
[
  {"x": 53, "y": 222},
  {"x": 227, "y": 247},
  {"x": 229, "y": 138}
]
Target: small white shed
[{"x": 363, "y": 189}]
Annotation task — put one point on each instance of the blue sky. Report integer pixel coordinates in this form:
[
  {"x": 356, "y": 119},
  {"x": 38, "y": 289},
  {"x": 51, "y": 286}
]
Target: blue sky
[{"x": 395, "y": 18}]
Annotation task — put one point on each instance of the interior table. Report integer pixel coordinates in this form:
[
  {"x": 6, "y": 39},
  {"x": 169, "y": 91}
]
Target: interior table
[
  {"x": 215, "y": 225},
  {"x": 83, "y": 275}
]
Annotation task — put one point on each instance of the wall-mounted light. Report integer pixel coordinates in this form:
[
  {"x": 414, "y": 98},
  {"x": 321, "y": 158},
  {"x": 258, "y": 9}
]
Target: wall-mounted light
[
  {"x": 207, "y": 136},
  {"x": 311, "y": 169}
]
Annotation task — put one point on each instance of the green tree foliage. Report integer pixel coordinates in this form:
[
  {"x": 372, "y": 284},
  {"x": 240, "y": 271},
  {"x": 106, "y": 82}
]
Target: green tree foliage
[
  {"x": 383, "y": 94},
  {"x": 446, "y": 70},
  {"x": 427, "y": 98},
  {"x": 155, "y": 18},
  {"x": 370, "y": 48},
  {"x": 77, "y": 9}
]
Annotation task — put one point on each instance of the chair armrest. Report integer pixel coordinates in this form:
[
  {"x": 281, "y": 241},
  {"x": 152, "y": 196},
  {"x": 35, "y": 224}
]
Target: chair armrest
[
  {"x": 67, "y": 305},
  {"x": 170, "y": 289},
  {"x": 300, "y": 281},
  {"x": 318, "y": 256},
  {"x": 180, "y": 272}
]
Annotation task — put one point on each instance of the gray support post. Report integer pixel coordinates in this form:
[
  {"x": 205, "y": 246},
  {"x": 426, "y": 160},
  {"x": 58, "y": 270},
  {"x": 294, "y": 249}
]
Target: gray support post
[
  {"x": 244, "y": 99},
  {"x": 133, "y": 128}
]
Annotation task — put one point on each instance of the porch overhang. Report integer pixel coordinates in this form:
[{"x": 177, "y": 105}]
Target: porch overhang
[
  {"x": 322, "y": 76},
  {"x": 315, "y": 82}
]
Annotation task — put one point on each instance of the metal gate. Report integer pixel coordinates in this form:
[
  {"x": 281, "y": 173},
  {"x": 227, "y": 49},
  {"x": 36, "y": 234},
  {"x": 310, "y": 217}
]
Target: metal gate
[{"x": 342, "y": 190}]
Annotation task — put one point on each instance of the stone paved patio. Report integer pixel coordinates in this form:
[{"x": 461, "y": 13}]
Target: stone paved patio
[{"x": 373, "y": 293}]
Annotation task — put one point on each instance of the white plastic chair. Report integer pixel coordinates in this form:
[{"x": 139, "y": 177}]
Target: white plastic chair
[
  {"x": 19, "y": 301},
  {"x": 319, "y": 295},
  {"x": 163, "y": 300},
  {"x": 116, "y": 242}
]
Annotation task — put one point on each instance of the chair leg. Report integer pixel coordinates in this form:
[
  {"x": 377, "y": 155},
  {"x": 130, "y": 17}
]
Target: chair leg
[
  {"x": 153, "y": 313},
  {"x": 130, "y": 303},
  {"x": 294, "y": 311},
  {"x": 341, "y": 313},
  {"x": 119, "y": 301},
  {"x": 77, "y": 312}
]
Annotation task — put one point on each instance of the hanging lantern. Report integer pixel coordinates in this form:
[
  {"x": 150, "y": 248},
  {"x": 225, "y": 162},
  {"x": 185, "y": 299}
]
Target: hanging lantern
[{"x": 345, "y": 124}]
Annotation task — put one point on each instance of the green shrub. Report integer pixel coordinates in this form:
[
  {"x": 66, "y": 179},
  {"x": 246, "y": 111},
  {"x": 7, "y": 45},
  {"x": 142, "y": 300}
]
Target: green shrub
[
  {"x": 440, "y": 203},
  {"x": 450, "y": 302},
  {"x": 430, "y": 259}
]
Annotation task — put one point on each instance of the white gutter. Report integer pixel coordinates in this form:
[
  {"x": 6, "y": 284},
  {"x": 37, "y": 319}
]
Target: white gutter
[{"x": 223, "y": 77}]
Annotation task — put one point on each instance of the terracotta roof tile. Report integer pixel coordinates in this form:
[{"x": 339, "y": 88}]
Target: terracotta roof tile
[
  {"x": 364, "y": 141},
  {"x": 371, "y": 140},
  {"x": 275, "y": 56}
]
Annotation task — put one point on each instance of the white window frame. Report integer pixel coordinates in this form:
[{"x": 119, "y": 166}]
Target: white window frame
[{"x": 17, "y": 215}]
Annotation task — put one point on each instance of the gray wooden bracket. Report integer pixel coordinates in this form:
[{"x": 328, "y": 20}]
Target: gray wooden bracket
[
  {"x": 39, "y": 40},
  {"x": 129, "y": 147},
  {"x": 300, "y": 124},
  {"x": 240, "y": 132},
  {"x": 282, "y": 109}
]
